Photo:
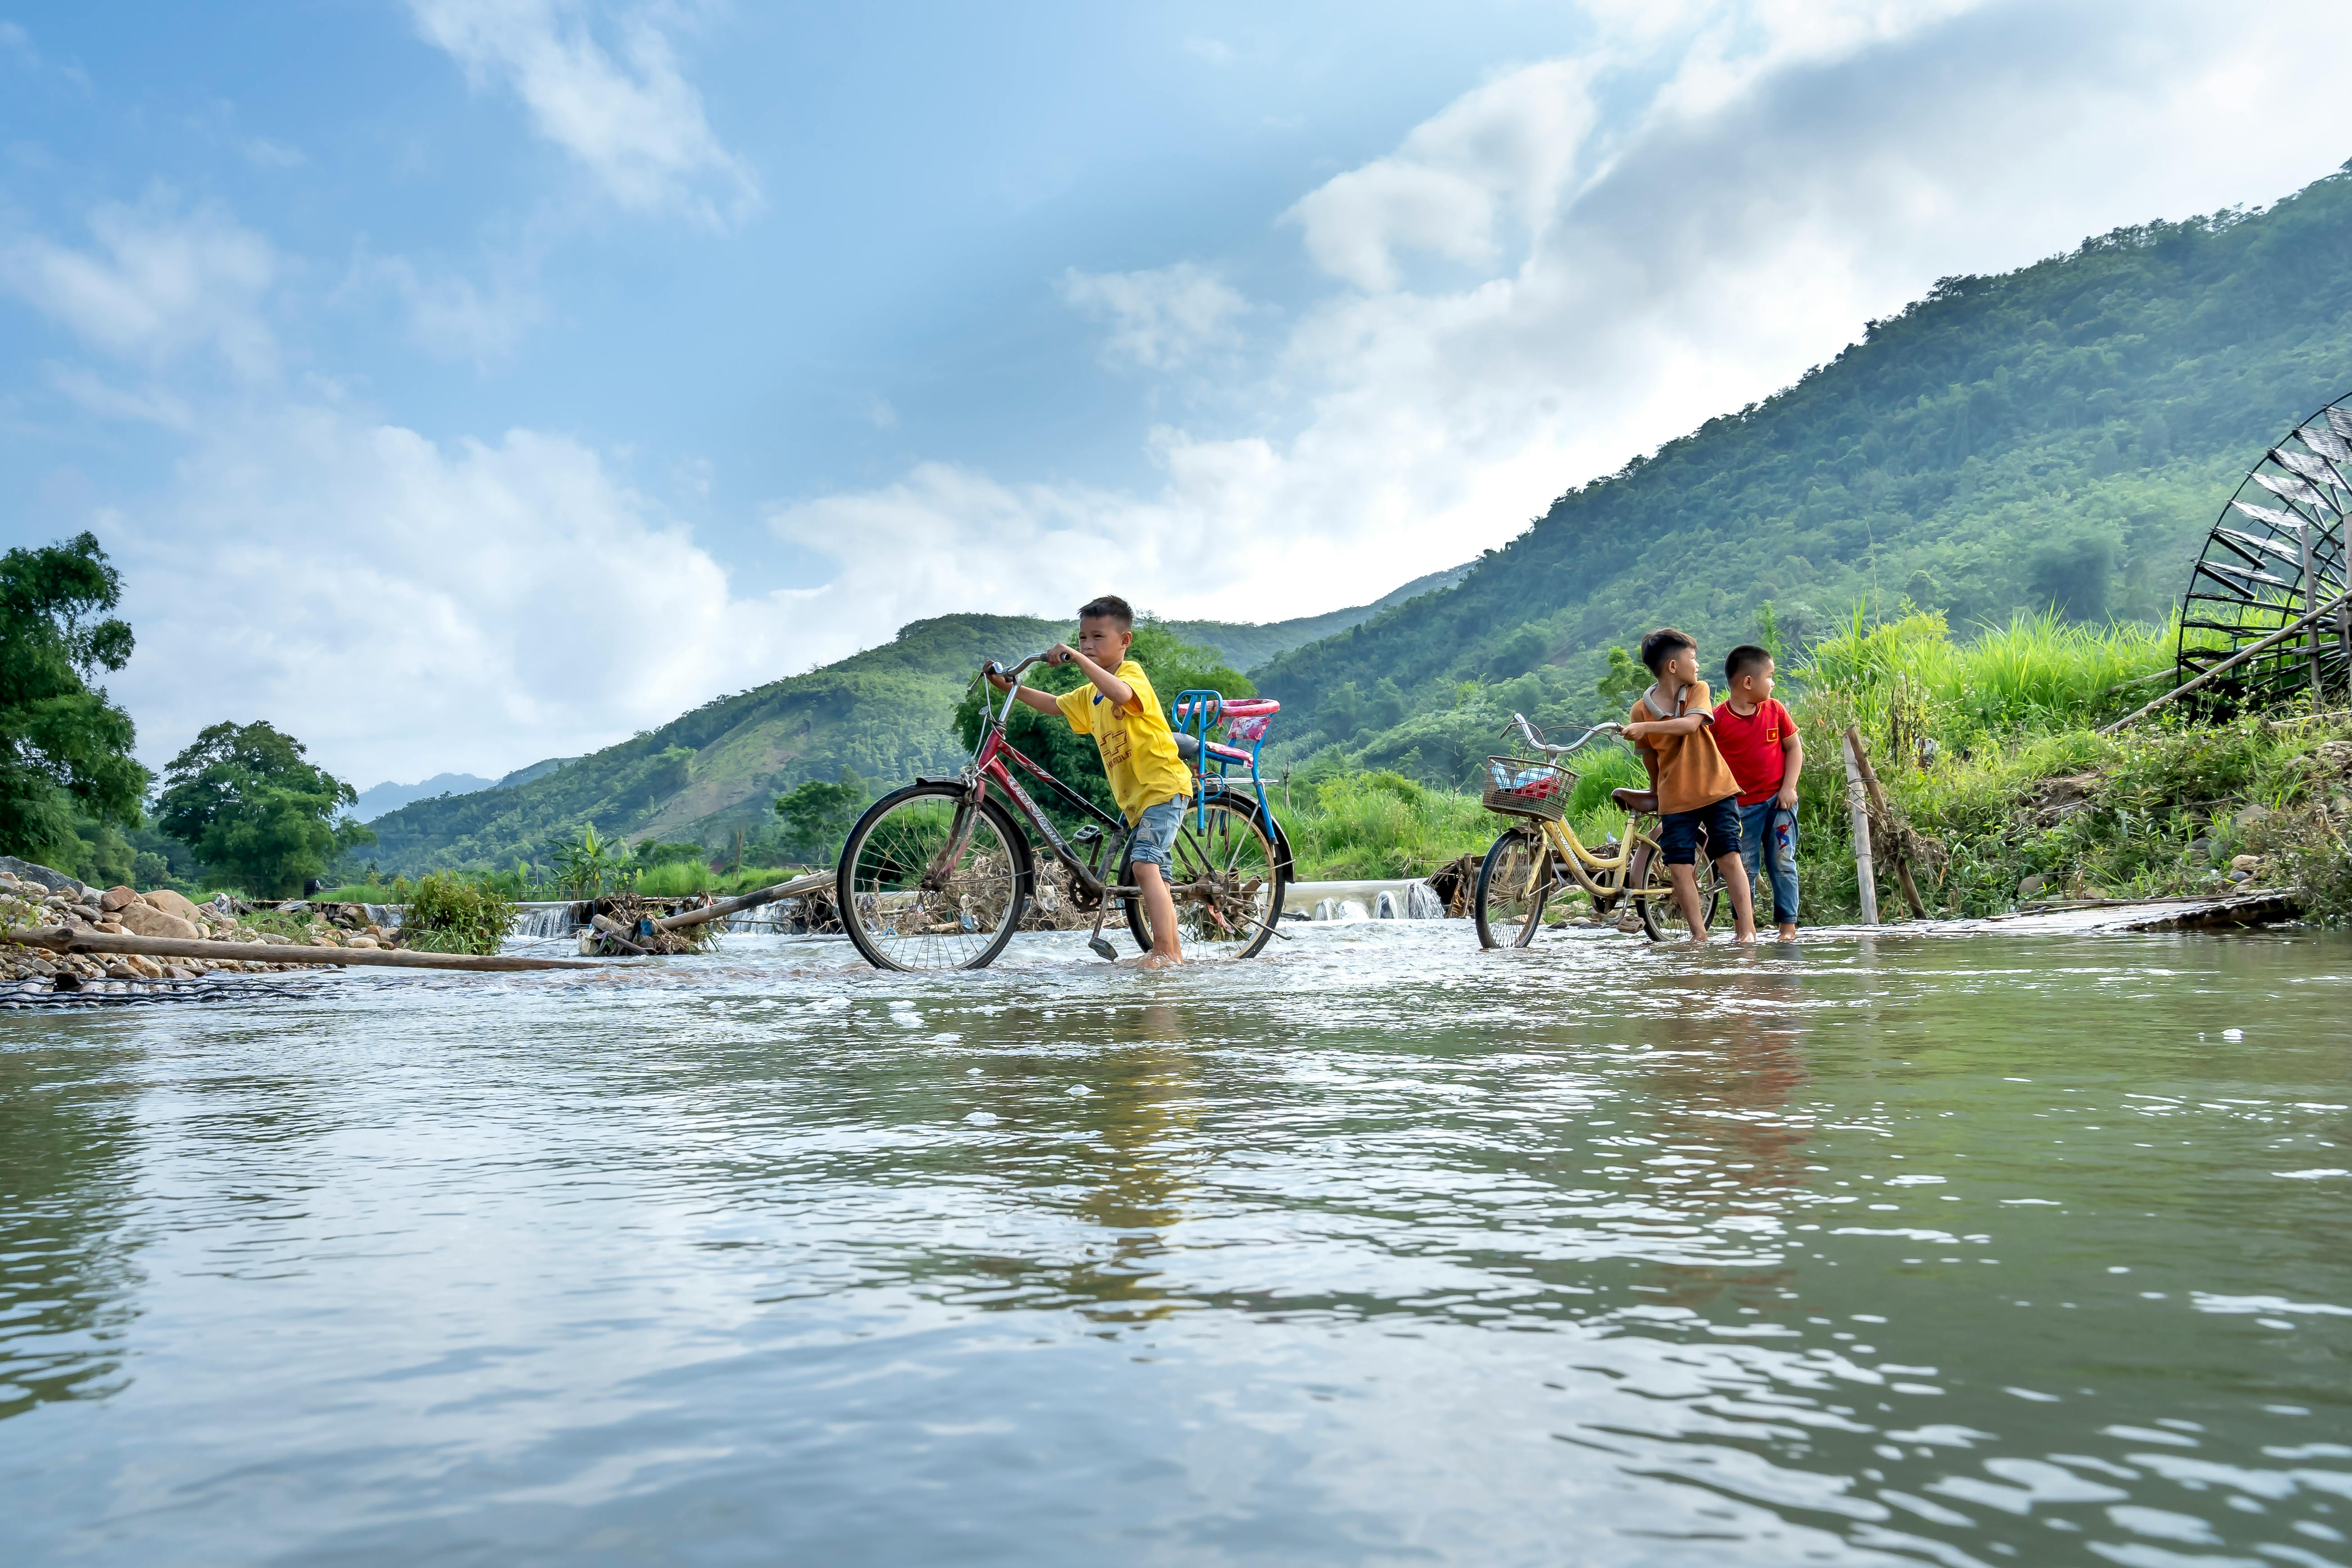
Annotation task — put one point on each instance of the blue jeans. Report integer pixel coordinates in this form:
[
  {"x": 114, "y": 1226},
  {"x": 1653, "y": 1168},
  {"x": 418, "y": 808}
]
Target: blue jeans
[
  {"x": 1155, "y": 833},
  {"x": 1767, "y": 826}
]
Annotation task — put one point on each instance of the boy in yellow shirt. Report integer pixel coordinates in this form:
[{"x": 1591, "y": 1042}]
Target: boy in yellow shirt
[{"x": 1148, "y": 778}]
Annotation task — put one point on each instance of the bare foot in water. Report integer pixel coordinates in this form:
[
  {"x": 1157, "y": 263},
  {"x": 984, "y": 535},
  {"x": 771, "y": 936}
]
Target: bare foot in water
[{"x": 1159, "y": 961}]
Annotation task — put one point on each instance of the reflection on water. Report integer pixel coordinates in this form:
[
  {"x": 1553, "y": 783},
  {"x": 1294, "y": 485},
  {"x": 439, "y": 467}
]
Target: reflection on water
[{"x": 1381, "y": 1249}]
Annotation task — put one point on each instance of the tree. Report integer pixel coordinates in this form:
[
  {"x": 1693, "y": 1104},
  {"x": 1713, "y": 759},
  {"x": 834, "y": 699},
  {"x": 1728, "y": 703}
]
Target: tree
[
  {"x": 63, "y": 746},
  {"x": 242, "y": 797},
  {"x": 818, "y": 815},
  {"x": 1623, "y": 682}
]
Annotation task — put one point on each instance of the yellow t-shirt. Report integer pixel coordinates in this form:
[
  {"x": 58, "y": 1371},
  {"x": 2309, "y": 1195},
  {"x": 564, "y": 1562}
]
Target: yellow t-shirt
[{"x": 1138, "y": 752}]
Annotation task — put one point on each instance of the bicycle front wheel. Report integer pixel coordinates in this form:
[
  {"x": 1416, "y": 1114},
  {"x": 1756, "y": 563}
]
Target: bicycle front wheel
[
  {"x": 1514, "y": 882},
  {"x": 1662, "y": 912},
  {"x": 928, "y": 880},
  {"x": 1226, "y": 880}
]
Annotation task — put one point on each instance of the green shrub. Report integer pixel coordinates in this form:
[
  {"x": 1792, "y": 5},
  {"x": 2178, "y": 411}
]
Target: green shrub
[{"x": 448, "y": 914}]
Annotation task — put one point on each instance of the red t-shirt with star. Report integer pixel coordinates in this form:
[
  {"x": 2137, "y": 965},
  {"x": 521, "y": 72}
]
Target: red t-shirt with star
[{"x": 1752, "y": 746}]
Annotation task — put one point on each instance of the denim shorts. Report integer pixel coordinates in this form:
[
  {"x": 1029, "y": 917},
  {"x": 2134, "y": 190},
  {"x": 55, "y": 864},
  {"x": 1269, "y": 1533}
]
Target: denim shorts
[
  {"x": 1155, "y": 832},
  {"x": 1680, "y": 832},
  {"x": 1767, "y": 843}
]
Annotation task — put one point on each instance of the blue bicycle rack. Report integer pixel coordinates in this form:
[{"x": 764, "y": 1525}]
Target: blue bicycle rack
[{"x": 1195, "y": 713}]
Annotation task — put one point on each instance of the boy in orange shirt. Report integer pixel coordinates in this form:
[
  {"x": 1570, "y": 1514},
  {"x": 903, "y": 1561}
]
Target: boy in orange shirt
[
  {"x": 1697, "y": 796},
  {"x": 1758, "y": 739}
]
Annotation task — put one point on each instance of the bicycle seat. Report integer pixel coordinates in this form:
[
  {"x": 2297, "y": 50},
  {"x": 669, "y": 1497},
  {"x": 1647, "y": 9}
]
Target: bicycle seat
[
  {"x": 1187, "y": 746},
  {"x": 1636, "y": 800}
]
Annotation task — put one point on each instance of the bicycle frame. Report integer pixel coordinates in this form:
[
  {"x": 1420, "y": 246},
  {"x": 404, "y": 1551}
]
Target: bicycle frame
[
  {"x": 1561, "y": 839},
  {"x": 987, "y": 766}
]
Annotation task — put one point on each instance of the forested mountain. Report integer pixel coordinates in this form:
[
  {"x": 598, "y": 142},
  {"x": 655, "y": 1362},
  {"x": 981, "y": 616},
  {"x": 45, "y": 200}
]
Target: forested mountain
[
  {"x": 2060, "y": 435},
  {"x": 887, "y": 714}
]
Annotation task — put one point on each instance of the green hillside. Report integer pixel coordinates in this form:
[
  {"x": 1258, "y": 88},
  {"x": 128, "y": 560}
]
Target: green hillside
[
  {"x": 887, "y": 713},
  {"x": 2060, "y": 435}
]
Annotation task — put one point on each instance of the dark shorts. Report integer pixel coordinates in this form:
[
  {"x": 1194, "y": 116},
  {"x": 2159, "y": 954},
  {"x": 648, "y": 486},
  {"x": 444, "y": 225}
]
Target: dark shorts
[{"x": 1681, "y": 832}]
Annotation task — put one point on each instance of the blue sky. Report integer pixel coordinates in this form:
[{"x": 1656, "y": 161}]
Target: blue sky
[{"x": 402, "y": 350}]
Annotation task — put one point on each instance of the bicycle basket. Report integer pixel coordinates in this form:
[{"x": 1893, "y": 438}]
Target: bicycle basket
[{"x": 1517, "y": 786}]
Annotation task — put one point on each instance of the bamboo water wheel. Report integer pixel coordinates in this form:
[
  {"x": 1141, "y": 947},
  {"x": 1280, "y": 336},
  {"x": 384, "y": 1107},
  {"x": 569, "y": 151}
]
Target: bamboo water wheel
[{"x": 2276, "y": 553}]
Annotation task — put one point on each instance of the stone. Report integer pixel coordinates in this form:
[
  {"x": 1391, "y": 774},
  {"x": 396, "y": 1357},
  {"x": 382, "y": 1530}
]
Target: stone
[
  {"x": 119, "y": 968},
  {"x": 25, "y": 870},
  {"x": 2250, "y": 816},
  {"x": 2031, "y": 887},
  {"x": 361, "y": 942},
  {"x": 273, "y": 939},
  {"x": 114, "y": 898},
  {"x": 2249, "y": 864},
  {"x": 171, "y": 903},
  {"x": 110, "y": 927},
  {"x": 145, "y": 965},
  {"x": 2202, "y": 848},
  {"x": 147, "y": 920}
]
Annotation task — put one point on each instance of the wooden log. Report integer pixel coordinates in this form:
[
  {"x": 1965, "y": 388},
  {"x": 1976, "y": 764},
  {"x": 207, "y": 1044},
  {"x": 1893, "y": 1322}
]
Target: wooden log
[
  {"x": 751, "y": 901},
  {"x": 66, "y": 939},
  {"x": 1878, "y": 799},
  {"x": 617, "y": 934},
  {"x": 2332, "y": 606},
  {"x": 1865, "y": 875}
]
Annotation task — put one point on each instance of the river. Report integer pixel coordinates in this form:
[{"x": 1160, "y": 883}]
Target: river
[{"x": 1382, "y": 1251}]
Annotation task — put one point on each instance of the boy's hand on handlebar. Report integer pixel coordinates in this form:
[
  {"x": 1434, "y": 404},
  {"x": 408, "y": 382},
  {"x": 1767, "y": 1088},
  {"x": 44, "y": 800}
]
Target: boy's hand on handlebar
[{"x": 1061, "y": 653}]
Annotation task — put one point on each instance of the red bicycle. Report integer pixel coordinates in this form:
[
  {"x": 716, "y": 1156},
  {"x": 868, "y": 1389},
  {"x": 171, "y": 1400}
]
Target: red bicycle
[{"x": 937, "y": 875}]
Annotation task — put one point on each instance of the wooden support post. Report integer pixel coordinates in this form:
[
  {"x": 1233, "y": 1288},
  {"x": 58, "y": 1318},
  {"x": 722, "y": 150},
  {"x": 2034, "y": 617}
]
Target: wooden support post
[
  {"x": 1866, "y": 877},
  {"x": 1878, "y": 799},
  {"x": 69, "y": 939}
]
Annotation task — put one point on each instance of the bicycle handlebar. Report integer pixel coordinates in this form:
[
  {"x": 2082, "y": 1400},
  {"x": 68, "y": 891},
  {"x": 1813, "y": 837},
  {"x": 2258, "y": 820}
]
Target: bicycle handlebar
[{"x": 1519, "y": 722}]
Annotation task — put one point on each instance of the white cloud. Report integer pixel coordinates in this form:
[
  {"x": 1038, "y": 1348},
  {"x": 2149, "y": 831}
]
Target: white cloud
[
  {"x": 635, "y": 121},
  {"x": 387, "y": 598},
  {"x": 1158, "y": 319},
  {"x": 450, "y": 317},
  {"x": 264, "y": 154},
  {"x": 158, "y": 284},
  {"x": 1765, "y": 180}
]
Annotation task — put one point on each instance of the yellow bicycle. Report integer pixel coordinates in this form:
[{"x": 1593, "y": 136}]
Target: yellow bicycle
[{"x": 1539, "y": 854}]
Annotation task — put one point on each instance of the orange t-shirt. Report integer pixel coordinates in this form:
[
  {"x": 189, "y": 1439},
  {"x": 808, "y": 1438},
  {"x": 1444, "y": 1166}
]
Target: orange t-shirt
[{"x": 1691, "y": 771}]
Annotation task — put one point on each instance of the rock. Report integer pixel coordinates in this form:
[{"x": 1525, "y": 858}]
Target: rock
[
  {"x": 171, "y": 903},
  {"x": 2336, "y": 756},
  {"x": 2202, "y": 848},
  {"x": 119, "y": 968},
  {"x": 114, "y": 898},
  {"x": 25, "y": 870},
  {"x": 110, "y": 927},
  {"x": 2031, "y": 887},
  {"x": 2249, "y": 864},
  {"x": 361, "y": 942},
  {"x": 2250, "y": 816},
  {"x": 147, "y": 920},
  {"x": 145, "y": 965},
  {"x": 273, "y": 939}
]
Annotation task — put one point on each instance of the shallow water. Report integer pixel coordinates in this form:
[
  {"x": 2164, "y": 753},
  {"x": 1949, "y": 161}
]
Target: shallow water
[{"x": 1382, "y": 1250}]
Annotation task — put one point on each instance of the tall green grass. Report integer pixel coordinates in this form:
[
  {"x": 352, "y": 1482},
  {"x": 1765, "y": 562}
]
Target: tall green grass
[
  {"x": 2037, "y": 673},
  {"x": 1369, "y": 826}
]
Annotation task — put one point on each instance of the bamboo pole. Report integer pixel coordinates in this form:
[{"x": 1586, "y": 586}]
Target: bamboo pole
[
  {"x": 2311, "y": 613},
  {"x": 2235, "y": 659},
  {"x": 751, "y": 901},
  {"x": 1878, "y": 799},
  {"x": 66, "y": 939},
  {"x": 1855, "y": 798}
]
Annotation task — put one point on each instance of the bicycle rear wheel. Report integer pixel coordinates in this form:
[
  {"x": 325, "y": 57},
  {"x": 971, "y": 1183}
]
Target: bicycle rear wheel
[
  {"x": 906, "y": 906},
  {"x": 1514, "y": 882},
  {"x": 1227, "y": 882},
  {"x": 1662, "y": 913}
]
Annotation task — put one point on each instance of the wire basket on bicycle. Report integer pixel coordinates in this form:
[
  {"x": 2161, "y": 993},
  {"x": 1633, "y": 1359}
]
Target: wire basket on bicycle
[{"x": 1523, "y": 786}]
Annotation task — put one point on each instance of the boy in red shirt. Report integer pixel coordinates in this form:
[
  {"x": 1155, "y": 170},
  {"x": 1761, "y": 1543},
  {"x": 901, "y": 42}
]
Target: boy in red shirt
[{"x": 1760, "y": 740}]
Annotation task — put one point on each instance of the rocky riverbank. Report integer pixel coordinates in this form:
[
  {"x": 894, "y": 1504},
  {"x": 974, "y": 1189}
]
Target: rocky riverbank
[{"x": 35, "y": 896}]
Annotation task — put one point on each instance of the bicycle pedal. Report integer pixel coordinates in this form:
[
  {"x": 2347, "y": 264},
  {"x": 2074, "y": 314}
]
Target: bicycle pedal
[{"x": 1103, "y": 949}]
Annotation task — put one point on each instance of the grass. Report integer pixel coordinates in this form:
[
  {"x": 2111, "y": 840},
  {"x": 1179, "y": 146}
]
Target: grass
[{"x": 1989, "y": 749}]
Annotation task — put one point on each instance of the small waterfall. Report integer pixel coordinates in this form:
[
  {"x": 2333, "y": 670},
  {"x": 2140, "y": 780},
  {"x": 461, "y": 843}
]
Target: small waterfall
[
  {"x": 384, "y": 915},
  {"x": 546, "y": 921},
  {"x": 1384, "y": 906},
  {"x": 1422, "y": 903}
]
